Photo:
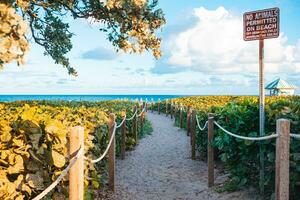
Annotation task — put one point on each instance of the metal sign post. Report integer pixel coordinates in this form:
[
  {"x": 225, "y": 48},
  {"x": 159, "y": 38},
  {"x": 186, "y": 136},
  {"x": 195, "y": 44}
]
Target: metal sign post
[
  {"x": 261, "y": 112},
  {"x": 260, "y": 25}
]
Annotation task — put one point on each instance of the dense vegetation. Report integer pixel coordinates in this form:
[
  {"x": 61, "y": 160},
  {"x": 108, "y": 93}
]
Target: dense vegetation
[
  {"x": 241, "y": 158},
  {"x": 34, "y": 140}
]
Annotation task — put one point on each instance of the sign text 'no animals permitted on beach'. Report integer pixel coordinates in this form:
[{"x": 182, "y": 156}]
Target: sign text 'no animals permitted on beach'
[{"x": 261, "y": 24}]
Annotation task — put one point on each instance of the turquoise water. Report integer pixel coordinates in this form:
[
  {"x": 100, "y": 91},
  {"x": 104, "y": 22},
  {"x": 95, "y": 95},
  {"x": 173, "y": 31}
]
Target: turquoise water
[{"x": 9, "y": 98}]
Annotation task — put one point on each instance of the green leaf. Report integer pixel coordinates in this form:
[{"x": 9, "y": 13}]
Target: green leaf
[{"x": 296, "y": 156}]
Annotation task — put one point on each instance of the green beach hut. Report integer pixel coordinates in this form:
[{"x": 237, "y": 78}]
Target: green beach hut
[{"x": 280, "y": 87}]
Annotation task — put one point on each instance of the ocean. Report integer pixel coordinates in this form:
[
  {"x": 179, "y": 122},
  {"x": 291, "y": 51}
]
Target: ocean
[{"x": 10, "y": 98}]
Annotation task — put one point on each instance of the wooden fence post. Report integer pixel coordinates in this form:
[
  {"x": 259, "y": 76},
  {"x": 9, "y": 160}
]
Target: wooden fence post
[
  {"x": 142, "y": 121},
  {"x": 141, "y": 103},
  {"x": 134, "y": 126},
  {"x": 193, "y": 135},
  {"x": 282, "y": 159},
  {"x": 171, "y": 110},
  {"x": 76, "y": 174},
  {"x": 176, "y": 111},
  {"x": 123, "y": 139},
  {"x": 181, "y": 116},
  {"x": 167, "y": 108},
  {"x": 188, "y": 121},
  {"x": 137, "y": 102},
  {"x": 111, "y": 153},
  {"x": 210, "y": 151},
  {"x": 145, "y": 106},
  {"x": 152, "y": 106},
  {"x": 158, "y": 107}
]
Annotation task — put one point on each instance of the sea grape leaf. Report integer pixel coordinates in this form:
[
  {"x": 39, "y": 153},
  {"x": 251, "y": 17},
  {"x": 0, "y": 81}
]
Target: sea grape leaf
[
  {"x": 5, "y": 136},
  {"x": 26, "y": 188},
  {"x": 31, "y": 126},
  {"x": 28, "y": 113},
  {"x": 56, "y": 128},
  {"x": 296, "y": 156},
  {"x": 18, "y": 142},
  {"x": 18, "y": 165},
  {"x": 58, "y": 196},
  {"x": 58, "y": 159},
  {"x": 35, "y": 139},
  {"x": 19, "y": 181},
  {"x": 35, "y": 180},
  {"x": 32, "y": 166}
]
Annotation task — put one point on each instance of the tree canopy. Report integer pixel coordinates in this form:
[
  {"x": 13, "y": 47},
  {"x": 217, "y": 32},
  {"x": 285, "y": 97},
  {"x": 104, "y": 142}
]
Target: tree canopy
[{"x": 130, "y": 26}]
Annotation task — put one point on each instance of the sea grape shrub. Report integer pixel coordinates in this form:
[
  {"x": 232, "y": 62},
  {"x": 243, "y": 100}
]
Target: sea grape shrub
[
  {"x": 240, "y": 115},
  {"x": 34, "y": 144}
]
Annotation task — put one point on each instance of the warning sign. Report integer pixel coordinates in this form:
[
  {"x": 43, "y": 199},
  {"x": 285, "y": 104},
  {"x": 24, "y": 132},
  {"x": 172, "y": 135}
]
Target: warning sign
[{"x": 261, "y": 24}]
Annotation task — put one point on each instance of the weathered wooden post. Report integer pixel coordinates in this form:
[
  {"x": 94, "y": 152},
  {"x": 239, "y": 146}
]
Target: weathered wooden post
[
  {"x": 137, "y": 102},
  {"x": 111, "y": 152},
  {"x": 142, "y": 120},
  {"x": 123, "y": 138},
  {"x": 76, "y": 174},
  {"x": 210, "y": 151},
  {"x": 146, "y": 105},
  {"x": 152, "y": 106},
  {"x": 134, "y": 125},
  {"x": 141, "y": 103},
  {"x": 171, "y": 110},
  {"x": 167, "y": 108},
  {"x": 158, "y": 107},
  {"x": 188, "y": 121},
  {"x": 193, "y": 134},
  {"x": 282, "y": 159},
  {"x": 181, "y": 116}
]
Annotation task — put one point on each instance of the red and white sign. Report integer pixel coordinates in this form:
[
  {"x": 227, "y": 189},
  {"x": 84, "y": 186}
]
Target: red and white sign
[{"x": 261, "y": 24}]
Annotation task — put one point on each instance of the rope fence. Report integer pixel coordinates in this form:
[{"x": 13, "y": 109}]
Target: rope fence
[
  {"x": 108, "y": 146},
  {"x": 131, "y": 118},
  {"x": 296, "y": 136},
  {"x": 246, "y": 138},
  {"x": 124, "y": 119},
  {"x": 198, "y": 124},
  {"x": 76, "y": 168},
  {"x": 282, "y": 136}
]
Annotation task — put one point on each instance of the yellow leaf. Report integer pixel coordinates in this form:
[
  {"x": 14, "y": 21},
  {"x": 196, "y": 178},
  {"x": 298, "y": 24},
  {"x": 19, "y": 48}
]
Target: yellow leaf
[
  {"x": 58, "y": 159},
  {"x": 18, "y": 143},
  {"x": 17, "y": 167},
  {"x": 56, "y": 128},
  {"x": 26, "y": 189},
  {"x": 5, "y": 137}
]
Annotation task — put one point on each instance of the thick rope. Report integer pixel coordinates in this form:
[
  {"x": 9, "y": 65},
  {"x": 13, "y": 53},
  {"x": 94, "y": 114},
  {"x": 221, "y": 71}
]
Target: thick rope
[
  {"x": 124, "y": 119},
  {"x": 61, "y": 176},
  {"x": 108, "y": 146},
  {"x": 141, "y": 112},
  {"x": 132, "y": 116},
  {"x": 205, "y": 125},
  {"x": 246, "y": 138},
  {"x": 296, "y": 136}
]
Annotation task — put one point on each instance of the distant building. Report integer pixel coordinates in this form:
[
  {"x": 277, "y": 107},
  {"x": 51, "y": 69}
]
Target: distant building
[{"x": 280, "y": 87}]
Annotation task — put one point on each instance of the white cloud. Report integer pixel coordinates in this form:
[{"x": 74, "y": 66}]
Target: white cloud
[{"x": 215, "y": 44}]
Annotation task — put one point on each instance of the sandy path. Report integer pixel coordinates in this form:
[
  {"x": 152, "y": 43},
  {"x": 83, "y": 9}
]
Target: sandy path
[{"x": 160, "y": 168}]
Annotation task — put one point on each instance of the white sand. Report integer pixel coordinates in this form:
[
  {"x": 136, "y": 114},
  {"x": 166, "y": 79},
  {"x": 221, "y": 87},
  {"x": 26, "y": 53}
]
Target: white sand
[{"x": 161, "y": 168}]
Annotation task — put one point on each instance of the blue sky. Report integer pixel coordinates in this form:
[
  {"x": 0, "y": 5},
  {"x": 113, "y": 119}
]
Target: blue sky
[{"x": 204, "y": 53}]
